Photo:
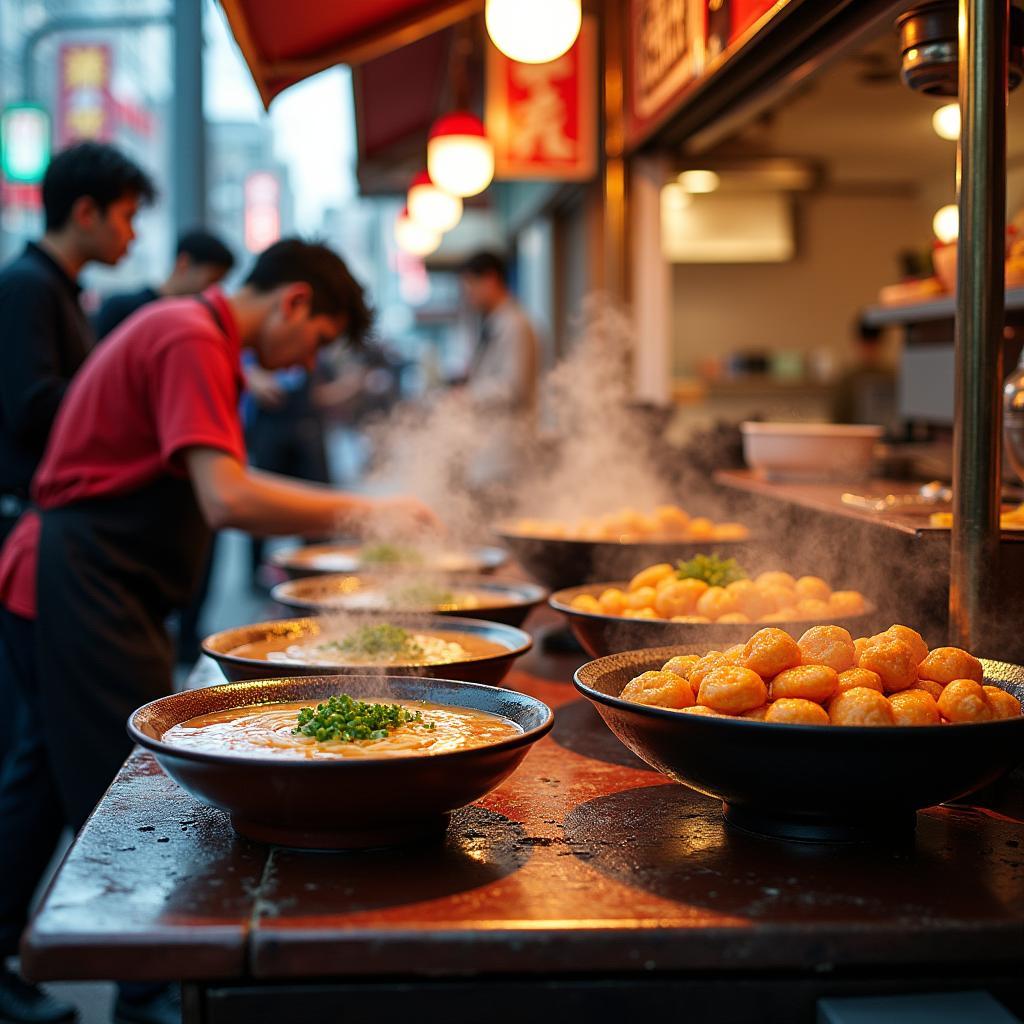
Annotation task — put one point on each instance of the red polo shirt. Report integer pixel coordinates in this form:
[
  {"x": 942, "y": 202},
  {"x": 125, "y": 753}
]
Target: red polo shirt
[{"x": 167, "y": 379}]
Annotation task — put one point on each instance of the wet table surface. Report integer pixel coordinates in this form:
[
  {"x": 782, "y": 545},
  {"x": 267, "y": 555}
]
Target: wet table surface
[{"x": 585, "y": 860}]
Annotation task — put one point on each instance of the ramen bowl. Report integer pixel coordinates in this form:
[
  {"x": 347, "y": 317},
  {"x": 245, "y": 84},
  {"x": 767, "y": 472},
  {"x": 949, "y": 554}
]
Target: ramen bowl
[
  {"x": 600, "y": 634},
  {"x": 315, "y": 559},
  {"x": 242, "y": 652},
  {"x": 802, "y": 782},
  {"x": 469, "y": 597},
  {"x": 340, "y": 804}
]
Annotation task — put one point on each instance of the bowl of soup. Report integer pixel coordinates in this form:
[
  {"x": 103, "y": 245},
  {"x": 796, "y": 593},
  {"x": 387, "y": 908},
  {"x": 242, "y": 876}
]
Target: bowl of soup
[
  {"x": 443, "y": 647},
  {"x": 386, "y": 557},
  {"x": 341, "y": 762},
  {"x": 471, "y": 597}
]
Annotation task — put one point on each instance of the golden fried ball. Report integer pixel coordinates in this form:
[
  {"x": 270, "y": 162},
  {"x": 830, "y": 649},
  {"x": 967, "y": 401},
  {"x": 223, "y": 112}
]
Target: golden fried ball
[
  {"x": 964, "y": 700},
  {"x": 661, "y": 689},
  {"x": 771, "y": 651},
  {"x": 639, "y": 613},
  {"x": 776, "y": 597},
  {"x": 914, "y": 707},
  {"x": 734, "y": 654},
  {"x": 700, "y": 709},
  {"x": 795, "y": 711},
  {"x": 1003, "y": 704},
  {"x": 944, "y": 664},
  {"x": 929, "y": 686},
  {"x": 846, "y": 602},
  {"x": 860, "y": 645},
  {"x": 732, "y": 690},
  {"x": 586, "y": 603},
  {"x": 750, "y": 601},
  {"x": 757, "y": 714},
  {"x": 734, "y": 617},
  {"x": 812, "y": 608},
  {"x": 859, "y": 677},
  {"x": 701, "y": 528},
  {"x": 861, "y": 706},
  {"x": 730, "y": 531},
  {"x": 894, "y": 662},
  {"x": 827, "y": 645},
  {"x": 776, "y": 579},
  {"x": 690, "y": 618},
  {"x": 612, "y": 601},
  {"x": 812, "y": 587},
  {"x": 671, "y": 519},
  {"x": 710, "y": 661},
  {"x": 716, "y": 602},
  {"x": 644, "y": 597},
  {"x": 782, "y": 615},
  {"x": 681, "y": 664},
  {"x": 910, "y": 637},
  {"x": 678, "y": 598},
  {"x": 651, "y": 576},
  {"x": 807, "y": 682}
]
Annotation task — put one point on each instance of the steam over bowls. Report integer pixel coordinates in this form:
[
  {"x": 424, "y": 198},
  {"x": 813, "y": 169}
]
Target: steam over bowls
[
  {"x": 239, "y": 651},
  {"x": 610, "y": 634},
  {"x": 340, "y": 804},
  {"x": 810, "y": 451},
  {"x": 329, "y": 558},
  {"x": 811, "y": 783}
]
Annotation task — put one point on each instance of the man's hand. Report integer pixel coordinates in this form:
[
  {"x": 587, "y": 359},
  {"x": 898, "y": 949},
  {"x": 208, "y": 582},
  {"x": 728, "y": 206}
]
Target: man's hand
[{"x": 404, "y": 516}]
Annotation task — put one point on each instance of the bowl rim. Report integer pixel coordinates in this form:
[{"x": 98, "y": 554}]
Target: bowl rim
[
  {"x": 157, "y": 746},
  {"x": 728, "y": 721},
  {"x": 530, "y": 593},
  {"x": 557, "y": 602},
  {"x": 434, "y": 623},
  {"x": 506, "y": 530},
  {"x": 485, "y": 556},
  {"x": 802, "y": 429}
]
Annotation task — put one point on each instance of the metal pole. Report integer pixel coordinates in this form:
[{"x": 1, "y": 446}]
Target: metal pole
[
  {"x": 981, "y": 163},
  {"x": 188, "y": 128}
]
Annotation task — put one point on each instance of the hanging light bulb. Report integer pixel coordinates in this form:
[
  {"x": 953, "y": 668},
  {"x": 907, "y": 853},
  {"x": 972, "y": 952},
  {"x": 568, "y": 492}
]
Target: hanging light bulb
[
  {"x": 533, "y": 31},
  {"x": 946, "y": 121},
  {"x": 946, "y": 223},
  {"x": 413, "y": 238},
  {"x": 460, "y": 157},
  {"x": 699, "y": 182},
  {"x": 432, "y": 206}
]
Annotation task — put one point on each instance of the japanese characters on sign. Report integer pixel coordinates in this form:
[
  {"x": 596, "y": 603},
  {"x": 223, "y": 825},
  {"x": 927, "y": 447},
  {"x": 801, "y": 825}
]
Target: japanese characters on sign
[
  {"x": 542, "y": 118},
  {"x": 85, "y": 104}
]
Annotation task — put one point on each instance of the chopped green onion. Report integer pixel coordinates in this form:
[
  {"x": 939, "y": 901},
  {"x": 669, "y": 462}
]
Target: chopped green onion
[{"x": 346, "y": 719}]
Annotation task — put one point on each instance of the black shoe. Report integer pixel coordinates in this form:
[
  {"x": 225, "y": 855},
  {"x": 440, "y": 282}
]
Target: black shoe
[
  {"x": 163, "y": 1007},
  {"x": 22, "y": 1003}
]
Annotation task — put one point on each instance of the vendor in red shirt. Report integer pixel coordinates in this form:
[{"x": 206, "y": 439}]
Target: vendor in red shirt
[{"x": 145, "y": 459}]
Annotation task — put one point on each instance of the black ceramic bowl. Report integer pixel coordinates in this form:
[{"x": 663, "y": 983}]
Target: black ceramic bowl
[
  {"x": 810, "y": 783},
  {"x": 508, "y": 601},
  {"x": 340, "y": 804},
  {"x": 317, "y": 559},
  {"x": 488, "y": 669},
  {"x": 559, "y": 562},
  {"x": 610, "y": 634}
]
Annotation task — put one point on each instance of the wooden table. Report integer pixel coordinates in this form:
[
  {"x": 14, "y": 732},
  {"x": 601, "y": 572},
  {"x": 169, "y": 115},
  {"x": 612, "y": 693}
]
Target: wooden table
[{"x": 586, "y": 884}]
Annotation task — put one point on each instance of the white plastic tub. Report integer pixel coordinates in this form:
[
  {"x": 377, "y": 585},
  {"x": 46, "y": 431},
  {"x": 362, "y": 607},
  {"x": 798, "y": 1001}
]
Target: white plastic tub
[{"x": 810, "y": 451}]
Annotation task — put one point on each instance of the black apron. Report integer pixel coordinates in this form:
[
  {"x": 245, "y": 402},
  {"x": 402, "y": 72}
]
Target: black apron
[{"x": 110, "y": 571}]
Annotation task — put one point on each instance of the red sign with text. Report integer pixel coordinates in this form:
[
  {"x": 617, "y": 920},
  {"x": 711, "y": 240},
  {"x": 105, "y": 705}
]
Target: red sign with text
[
  {"x": 542, "y": 118},
  {"x": 85, "y": 106}
]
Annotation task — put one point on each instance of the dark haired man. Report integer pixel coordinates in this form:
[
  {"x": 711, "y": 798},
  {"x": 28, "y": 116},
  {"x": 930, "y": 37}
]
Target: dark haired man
[
  {"x": 146, "y": 457},
  {"x": 201, "y": 260}
]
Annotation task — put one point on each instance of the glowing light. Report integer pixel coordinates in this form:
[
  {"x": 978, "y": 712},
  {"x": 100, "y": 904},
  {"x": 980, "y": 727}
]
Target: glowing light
[
  {"x": 413, "y": 238},
  {"x": 432, "y": 206},
  {"x": 533, "y": 31},
  {"x": 460, "y": 157},
  {"x": 946, "y": 121},
  {"x": 946, "y": 223},
  {"x": 675, "y": 197},
  {"x": 699, "y": 182}
]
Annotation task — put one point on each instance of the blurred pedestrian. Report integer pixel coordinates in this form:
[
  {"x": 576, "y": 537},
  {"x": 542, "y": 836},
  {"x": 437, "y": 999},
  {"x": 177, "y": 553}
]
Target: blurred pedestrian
[{"x": 866, "y": 390}]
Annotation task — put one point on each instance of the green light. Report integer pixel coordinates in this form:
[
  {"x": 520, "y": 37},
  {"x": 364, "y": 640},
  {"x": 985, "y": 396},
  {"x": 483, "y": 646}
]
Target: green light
[{"x": 24, "y": 142}]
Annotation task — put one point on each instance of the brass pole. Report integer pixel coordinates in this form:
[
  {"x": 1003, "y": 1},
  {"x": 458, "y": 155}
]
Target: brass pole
[{"x": 980, "y": 310}]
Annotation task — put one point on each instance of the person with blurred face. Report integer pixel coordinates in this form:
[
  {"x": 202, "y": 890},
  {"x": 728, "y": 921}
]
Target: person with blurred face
[{"x": 146, "y": 458}]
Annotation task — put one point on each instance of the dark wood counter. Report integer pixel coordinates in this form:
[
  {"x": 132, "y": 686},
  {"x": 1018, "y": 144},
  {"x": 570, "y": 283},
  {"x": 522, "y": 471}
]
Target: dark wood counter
[{"x": 586, "y": 879}]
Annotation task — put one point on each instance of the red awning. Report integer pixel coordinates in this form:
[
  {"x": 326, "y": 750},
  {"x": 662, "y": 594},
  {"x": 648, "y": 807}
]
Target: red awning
[{"x": 284, "y": 41}]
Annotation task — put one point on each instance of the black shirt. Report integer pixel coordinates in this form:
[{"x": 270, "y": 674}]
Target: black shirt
[
  {"x": 120, "y": 307},
  {"x": 44, "y": 339}
]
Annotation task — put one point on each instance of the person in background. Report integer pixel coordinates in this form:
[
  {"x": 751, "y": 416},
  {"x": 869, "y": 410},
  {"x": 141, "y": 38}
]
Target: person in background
[
  {"x": 866, "y": 391},
  {"x": 91, "y": 193},
  {"x": 147, "y": 457},
  {"x": 201, "y": 260}
]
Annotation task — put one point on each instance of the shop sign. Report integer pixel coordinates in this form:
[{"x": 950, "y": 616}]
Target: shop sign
[
  {"x": 262, "y": 218},
  {"x": 542, "y": 118},
  {"x": 24, "y": 143},
  {"x": 85, "y": 108},
  {"x": 727, "y": 20}
]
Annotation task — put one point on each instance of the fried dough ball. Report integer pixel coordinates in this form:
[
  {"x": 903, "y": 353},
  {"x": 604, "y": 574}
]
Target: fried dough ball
[
  {"x": 701, "y": 528},
  {"x": 827, "y": 645},
  {"x": 671, "y": 519},
  {"x": 894, "y": 662},
  {"x": 711, "y": 660},
  {"x": 777, "y": 597},
  {"x": 735, "y": 617},
  {"x": 734, "y": 654},
  {"x": 929, "y": 686},
  {"x": 586, "y": 603},
  {"x": 806, "y": 682},
  {"x": 716, "y": 602},
  {"x": 944, "y": 664},
  {"x": 730, "y": 531},
  {"x": 860, "y": 645},
  {"x": 861, "y": 706},
  {"x": 612, "y": 601},
  {"x": 1003, "y": 704},
  {"x": 681, "y": 664},
  {"x": 757, "y": 714},
  {"x": 661, "y": 689},
  {"x": 679, "y": 598},
  {"x": 964, "y": 700},
  {"x": 812, "y": 587},
  {"x": 700, "y": 709},
  {"x": 812, "y": 608},
  {"x": 776, "y": 579},
  {"x": 771, "y": 651},
  {"x": 651, "y": 576},
  {"x": 782, "y": 615},
  {"x": 914, "y": 707},
  {"x": 749, "y": 599},
  {"x": 795, "y": 711},
  {"x": 643, "y": 597},
  {"x": 690, "y": 618},
  {"x": 846, "y": 602},
  {"x": 639, "y": 613},
  {"x": 910, "y": 637},
  {"x": 732, "y": 689},
  {"x": 860, "y": 677}
]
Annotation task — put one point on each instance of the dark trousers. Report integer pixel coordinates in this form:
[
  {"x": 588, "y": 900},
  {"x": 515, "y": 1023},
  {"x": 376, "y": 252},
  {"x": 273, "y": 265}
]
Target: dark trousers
[
  {"x": 31, "y": 814},
  {"x": 9, "y": 697}
]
